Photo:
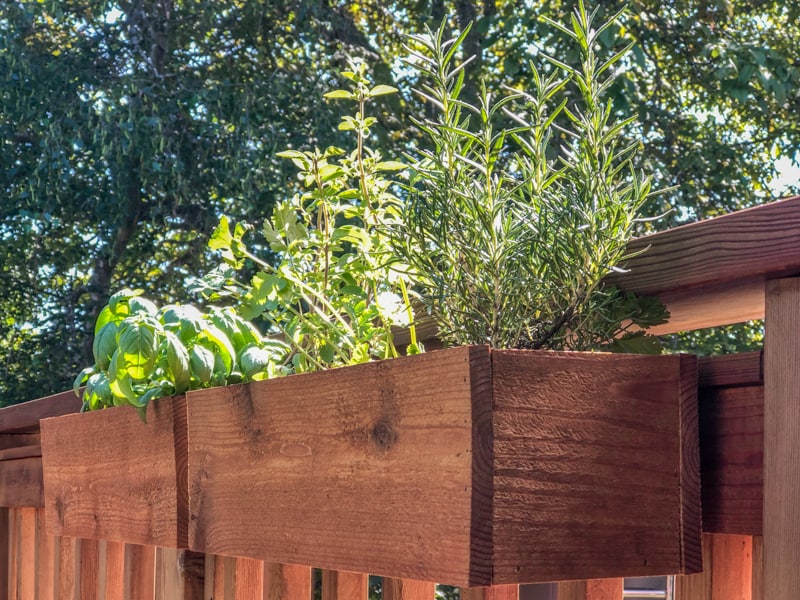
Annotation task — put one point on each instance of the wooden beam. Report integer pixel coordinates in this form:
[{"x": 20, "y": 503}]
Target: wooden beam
[
  {"x": 730, "y": 370},
  {"x": 781, "y": 434},
  {"x": 712, "y": 272},
  {"x": 25, "y": 417},
  {"x": 592, "y": 589},
  {"x": 727, "y": 572}
]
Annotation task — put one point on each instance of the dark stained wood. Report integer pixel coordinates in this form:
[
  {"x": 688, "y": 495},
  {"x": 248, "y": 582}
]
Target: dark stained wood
[
  {"x": 732, "y": 459},
  {"x": 495, "y": 592},
  {"x": 596, "y": 468},
  {"x": 745, "y": 368},
  {"x": 21, "y": 482},
  {"x": 713, "y": 272},
  {"x": 109, "y": 476},
  {"x": 318, "y": 469},
  {"x": 25, "y": 417}
]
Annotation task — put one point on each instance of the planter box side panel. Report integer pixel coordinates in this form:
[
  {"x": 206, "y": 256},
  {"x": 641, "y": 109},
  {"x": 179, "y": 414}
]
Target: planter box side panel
[
  {"x": 589, "y": 466},
  {"x": 21, "y": 482},
  {"x": 367, "y": 468},
  {"x": 109, "y": 476}
]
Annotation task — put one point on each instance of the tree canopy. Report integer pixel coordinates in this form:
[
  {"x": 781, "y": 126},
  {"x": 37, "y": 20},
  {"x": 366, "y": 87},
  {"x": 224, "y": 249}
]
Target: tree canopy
[{"x": 128, "y": 128}]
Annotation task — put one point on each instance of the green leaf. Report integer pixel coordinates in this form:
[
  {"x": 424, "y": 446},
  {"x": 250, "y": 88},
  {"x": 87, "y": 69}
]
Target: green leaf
[
  {"x": 178, "y": 363},
  {"x": 254, "y": 361},
  {"x": 139, "y": 346},
  {"x": 216, "y": 337},
  {"x": 381, "y": 90},
  {"x": 104, "y": 345},
  {"x": 201, "y": 361},
  {"x": 338, "y": 95}
]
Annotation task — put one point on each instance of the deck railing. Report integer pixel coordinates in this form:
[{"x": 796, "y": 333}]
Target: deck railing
[{"x": 734, "y": 268}]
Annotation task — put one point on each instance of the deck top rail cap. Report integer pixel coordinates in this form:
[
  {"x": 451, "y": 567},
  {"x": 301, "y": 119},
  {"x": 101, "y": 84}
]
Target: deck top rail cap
[
  {"x": 25, "y": 416},
  {"x": 757, "y": 243}
]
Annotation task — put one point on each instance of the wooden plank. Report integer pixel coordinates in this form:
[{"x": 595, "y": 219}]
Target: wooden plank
[
  {"x": 110, "y": 476},
  {"x": 16, "y": 440},
  {"x": 342, "y": 585},
  {"x": 169, "y": 579},
  {"x": 407, "y": 589},
  {"x": 69, "y": 573},
  {"x": 115, "y": 585},
  {"x": 727, "y": 573},
  {"x": 21, "y": 482},
  {"x": 89, "y": 569},
  {"x": 781, "y": 435},
  {"x": 745, "y": 368},
  {"x": 593, "y": 589},
  {"x": 5, "y": 557},
  {"x": 27, "y": 563},
  {"x": 13, "y": 550},
  {"x": 46, "y": 584},
  {"x": 223, "y": 588},
  {"x": 732, "y": 459},
  {"x": 339, "y": 467},
  {"x": 589, "y": 455},
  {"x": 758, "y": 568},
  {"x": 140, "y": 572},
  {"x": 287, "y": 582},
  {"x": 25, "y": 417},
  {"x": 248, "y": 579},
  {"x": 34, "y": 450},
  {"x": 712, "y": 272},
  {"x": 495, "y": 592}
]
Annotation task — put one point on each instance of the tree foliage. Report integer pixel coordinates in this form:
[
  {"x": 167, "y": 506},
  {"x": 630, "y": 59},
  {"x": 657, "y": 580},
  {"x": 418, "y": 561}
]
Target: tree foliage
[{"x": 128, "y": 127}]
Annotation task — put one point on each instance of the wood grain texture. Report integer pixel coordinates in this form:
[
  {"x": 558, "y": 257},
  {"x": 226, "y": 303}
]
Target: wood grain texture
[
  {"x": 758, "y": 568},
  {"x": 109, "y": 476},
  {"x": 407, "y": 589},
  {"x": 319, "y": 469},
  {"x": 47, "y": 563},
  {"x": 781, "y": 434},
  {"x": 729, "y": 257},
  {"x": 6, "y": 564},
  {"x": 495, "y": 592},
  {"x": 730, "y": 370},
  {"x": 342, "y": 585},
  {"x": 27, "y": 563},
  {"x": 727, "y": 574},
  {"x": 140, "y": 572},
  {"x": 89, "y": 570},
  {"x": 21, "y": 482},
  {"x": 596, "y": 469},
  {"x": 286, "y": 582},
  {"x": 69, "y": 573},
  {"x": 25, "y": 417},
  {"x": 593, "y": 589},
  {"x": 732, "y": 459},
  {"x": 114, "y": 581}
]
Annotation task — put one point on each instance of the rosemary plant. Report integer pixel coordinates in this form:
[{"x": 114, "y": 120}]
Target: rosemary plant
[{"x": 524, "y": 202}]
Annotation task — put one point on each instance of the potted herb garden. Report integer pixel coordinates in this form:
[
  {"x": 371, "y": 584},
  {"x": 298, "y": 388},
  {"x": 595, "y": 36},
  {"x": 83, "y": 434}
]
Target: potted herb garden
[{"x": 521, "y": 452}]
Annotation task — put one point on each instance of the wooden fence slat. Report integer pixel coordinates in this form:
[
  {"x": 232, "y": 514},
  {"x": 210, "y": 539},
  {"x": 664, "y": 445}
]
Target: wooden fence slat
[
  {"x": 140, "y": 572},
  {"x": 89, "y": 569},
  {"x": 27, "y": 565},
  {"x": 5, "y": 555},
  {"x": 781, "y": 433},
  {"x": 727, "y": 574},
  {"x": 223, "y": 578},
  {"x": 286, "y": 582},
  {"x": 592, "y": 589},
  {"x": 114, "y": 588},
  {"x": 407, "y": 589},
  {"x": 69, "y": 575},
  {"x": 248, "y": 579},
  {"x": 496, "y": 592},
  {"x": 758, "y": 568},
  {"x": 169, "y": 581},
  {"x": 343, "y": 585},
  {"x": 47, "y": 562}
]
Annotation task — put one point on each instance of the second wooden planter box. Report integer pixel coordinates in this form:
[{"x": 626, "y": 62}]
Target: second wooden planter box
[{"x": 464, "y": 466}]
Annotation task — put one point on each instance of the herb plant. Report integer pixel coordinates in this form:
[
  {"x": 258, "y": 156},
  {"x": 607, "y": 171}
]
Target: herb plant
[
  {"x": 142, "y": 352},
  {"x": 524, "y": 202}
]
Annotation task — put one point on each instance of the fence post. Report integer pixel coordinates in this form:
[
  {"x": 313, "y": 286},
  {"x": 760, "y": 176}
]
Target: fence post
[{"x": 781, "y": 577}]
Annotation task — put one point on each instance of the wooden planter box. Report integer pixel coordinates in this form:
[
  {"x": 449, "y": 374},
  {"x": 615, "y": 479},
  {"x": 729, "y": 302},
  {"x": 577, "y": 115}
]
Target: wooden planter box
[
  {"x": 465, "y": 466},
  {"x": 109, "y": 476}
]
